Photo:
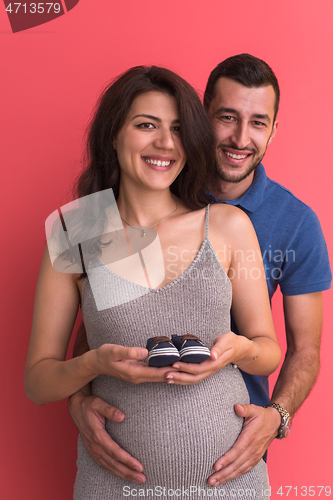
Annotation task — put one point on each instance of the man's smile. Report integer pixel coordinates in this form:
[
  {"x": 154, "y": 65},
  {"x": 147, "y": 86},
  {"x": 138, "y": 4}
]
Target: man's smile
[{"x": 235, "y": 156}]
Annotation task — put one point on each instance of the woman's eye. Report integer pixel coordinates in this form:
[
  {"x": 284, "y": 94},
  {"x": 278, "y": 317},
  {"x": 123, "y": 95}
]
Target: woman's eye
[
  {"x": 145, "y": 125},
  {"x": 176, "y": 129}
]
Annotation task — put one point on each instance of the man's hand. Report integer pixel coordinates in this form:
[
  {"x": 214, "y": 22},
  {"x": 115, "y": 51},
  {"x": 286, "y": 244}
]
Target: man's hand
[
  {"x": 259, "y": 429},
  {"x": 89, "y": 413}
]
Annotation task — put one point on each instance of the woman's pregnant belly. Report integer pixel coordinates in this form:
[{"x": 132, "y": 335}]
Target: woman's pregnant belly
[{"x": 176, "y": 432}]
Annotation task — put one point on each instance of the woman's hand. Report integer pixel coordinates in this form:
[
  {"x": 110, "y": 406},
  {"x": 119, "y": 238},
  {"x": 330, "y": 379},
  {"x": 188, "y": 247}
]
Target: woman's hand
[
  {"x": 122, "y": 362},
  {"x": 227, "y": 348}
]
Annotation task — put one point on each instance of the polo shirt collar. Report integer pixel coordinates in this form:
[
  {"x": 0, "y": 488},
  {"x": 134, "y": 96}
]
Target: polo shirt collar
[{"x": 253, "y": 197}]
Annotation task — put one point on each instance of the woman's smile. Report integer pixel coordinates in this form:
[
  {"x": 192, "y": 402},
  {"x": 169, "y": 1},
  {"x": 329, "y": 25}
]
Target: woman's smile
[{"x": 156, "y": 162}]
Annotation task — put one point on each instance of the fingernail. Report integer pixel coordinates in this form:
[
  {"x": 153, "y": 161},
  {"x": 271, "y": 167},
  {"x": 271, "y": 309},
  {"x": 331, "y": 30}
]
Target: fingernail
[
  {"x": 142, "y": 353},
  {"x": 169, "y": 376},
  {"x": 170, "y": 381},
  {"x": 137, "y": 468},
  {"x": 175, "y": 366},
  {"x": 214, "y": 482},
  {"x": 213, "y": 355},
  {"x": 138, "y": 480},
  {"x": 219, "y": 467}
]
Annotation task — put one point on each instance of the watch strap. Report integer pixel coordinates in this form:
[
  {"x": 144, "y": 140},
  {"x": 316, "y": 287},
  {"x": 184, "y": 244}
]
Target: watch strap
[{"x": 285, "y": 417}]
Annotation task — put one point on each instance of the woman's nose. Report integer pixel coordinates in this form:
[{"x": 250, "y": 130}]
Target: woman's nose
[{"x": 165, "y": 139}]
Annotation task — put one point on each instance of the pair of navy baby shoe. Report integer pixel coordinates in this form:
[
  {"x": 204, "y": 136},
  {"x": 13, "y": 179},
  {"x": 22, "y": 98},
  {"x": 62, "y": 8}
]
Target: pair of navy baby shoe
[{"x": 187, "y": 348}]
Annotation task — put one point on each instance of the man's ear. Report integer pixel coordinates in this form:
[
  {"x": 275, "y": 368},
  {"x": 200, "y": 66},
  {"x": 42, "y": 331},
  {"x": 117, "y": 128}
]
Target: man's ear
[{"x": 274, "y": 129}]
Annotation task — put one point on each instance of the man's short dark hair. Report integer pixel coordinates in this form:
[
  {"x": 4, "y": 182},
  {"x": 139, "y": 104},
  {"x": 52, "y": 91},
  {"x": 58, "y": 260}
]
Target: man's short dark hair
[{"x": 246, "y": 70}]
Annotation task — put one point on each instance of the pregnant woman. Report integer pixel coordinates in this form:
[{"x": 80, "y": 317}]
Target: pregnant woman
[{"x": 186, "y": 264}]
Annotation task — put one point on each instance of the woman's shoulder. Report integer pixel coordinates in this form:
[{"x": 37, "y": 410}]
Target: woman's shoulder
[
  {"x": 229, "y": 224},
  {"x": 57, "y": 269},
  {"x": 222, "y": 213}
]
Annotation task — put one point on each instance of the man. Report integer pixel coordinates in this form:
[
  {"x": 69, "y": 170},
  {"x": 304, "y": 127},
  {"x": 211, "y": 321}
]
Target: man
[{"x": 242, "y": 99}]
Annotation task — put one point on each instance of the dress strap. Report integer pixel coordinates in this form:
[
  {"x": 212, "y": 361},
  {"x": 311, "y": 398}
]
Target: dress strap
[{"x": 207, "y": 220}]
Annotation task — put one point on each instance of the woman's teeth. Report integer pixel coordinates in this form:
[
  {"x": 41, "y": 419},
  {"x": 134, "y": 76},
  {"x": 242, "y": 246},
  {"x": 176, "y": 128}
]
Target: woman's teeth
[
  {"x": 158, "y": 162},
  {"x": 236, "y": 157}
]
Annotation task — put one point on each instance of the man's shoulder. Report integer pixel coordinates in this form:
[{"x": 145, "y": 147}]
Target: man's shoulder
[
  {"x": 282, "y": 192},
  {"x": 281, "y": 198},
  {"x": 282, "y": 213}
]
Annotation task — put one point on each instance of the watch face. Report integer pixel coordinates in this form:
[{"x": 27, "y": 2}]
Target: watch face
[
  {"x": 286, "y": 428},
  {"x": 289, "y": 426}
]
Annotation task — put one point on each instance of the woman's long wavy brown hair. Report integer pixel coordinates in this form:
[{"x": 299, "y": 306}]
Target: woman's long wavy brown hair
[{"x": 102, "y": 169}]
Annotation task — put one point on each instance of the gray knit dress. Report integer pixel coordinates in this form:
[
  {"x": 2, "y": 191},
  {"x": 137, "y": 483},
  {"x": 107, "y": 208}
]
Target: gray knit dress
[{"x": 177, "y": 432}]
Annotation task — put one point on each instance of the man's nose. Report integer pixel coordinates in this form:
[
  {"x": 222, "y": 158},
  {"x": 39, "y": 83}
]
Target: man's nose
[{"x": 240, "y": 136}]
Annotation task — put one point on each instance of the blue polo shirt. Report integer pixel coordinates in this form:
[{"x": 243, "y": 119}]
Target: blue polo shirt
[{"x": 293, "y": 248}]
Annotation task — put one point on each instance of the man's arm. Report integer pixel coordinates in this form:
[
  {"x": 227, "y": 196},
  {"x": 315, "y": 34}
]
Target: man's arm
[
  {"x": 303, "y": 319},
  {"x": 81, "y": 343},
  {"x": 89, "y": 414}
]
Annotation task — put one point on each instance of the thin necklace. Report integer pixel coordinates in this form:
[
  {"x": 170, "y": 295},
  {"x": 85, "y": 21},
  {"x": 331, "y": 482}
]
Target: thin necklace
[{"x": 157, "y": 223}]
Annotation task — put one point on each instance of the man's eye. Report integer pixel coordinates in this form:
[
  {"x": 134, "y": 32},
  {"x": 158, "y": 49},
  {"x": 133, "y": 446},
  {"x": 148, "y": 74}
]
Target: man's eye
[
  {"x": 226, "y": 118},
  {"x": 145, "y": 125},
  {"x": 259, "y": 124}
]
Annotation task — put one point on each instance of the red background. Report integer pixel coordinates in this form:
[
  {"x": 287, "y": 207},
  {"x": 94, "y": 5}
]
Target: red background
[{"x": 51, "y": 77}]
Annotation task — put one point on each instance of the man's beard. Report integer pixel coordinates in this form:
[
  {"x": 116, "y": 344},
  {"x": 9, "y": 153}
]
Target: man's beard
[{"x": 226, "y": 177}]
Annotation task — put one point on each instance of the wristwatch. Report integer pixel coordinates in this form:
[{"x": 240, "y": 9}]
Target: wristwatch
[{"x": 286, "y": 421}]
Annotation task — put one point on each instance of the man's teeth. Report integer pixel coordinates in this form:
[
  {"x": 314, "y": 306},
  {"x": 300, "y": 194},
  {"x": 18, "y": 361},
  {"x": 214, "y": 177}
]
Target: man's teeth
[
  {"x": 236, "y": 157},
  {"x": 158, "y": 162}
]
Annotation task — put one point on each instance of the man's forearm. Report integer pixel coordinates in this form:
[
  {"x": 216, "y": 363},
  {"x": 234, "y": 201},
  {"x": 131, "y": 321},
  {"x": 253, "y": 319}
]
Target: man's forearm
[
  {"x": 81, "y": 344},
  {"x": 75, "y": 399},
  {"x": 80, "y": 347},
  {"x": 297, "y": 376},
  {"x": 303, "y": 319}
]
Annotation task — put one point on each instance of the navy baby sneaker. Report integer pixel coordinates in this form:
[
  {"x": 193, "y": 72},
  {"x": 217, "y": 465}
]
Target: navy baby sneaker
[
  {"x": 191, "y": 348},
  {"x": 162, "y": 352}
]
